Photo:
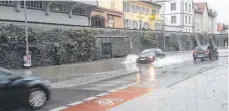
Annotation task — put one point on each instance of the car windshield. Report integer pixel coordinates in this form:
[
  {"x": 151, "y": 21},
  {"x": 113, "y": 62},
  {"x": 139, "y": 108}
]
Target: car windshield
[
  {"x": 148, "y": 52},
  {"x": 9, "y": 72}
]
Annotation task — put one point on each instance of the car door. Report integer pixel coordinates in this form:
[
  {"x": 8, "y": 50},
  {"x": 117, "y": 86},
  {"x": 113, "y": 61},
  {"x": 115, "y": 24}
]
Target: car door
[
  {"x": 8, "y": 92},
  {"x": 4, "y": 92}
]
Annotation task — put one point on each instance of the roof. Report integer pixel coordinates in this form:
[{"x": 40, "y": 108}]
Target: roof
[
  {"x": 201, "y": 6},
  {"x": 151, "y": 2},
  {"x": 110, "y": 10},
  {"x": 196, "y": 9}
]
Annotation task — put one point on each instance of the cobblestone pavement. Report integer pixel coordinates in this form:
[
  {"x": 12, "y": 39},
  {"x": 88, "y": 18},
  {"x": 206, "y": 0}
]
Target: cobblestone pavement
[{"x": 206, "y": 91}]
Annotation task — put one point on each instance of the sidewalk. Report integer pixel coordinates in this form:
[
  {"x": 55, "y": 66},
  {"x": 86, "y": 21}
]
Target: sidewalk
[{"x": 204, "y": 92}]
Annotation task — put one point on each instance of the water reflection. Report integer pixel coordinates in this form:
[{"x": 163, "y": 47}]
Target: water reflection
[{"x": 146, "y": 73}]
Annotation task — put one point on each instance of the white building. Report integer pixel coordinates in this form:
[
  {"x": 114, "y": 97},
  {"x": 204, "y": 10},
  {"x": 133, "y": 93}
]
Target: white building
[
  {"x": 54, "y": 12},
  {"x": 178, "y": 15},
  {"x": 204, "y": 18}
]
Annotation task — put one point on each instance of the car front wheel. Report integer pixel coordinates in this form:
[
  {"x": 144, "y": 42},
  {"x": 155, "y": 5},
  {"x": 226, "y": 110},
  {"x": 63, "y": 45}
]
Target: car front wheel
[{"x": 36, "y": 98}]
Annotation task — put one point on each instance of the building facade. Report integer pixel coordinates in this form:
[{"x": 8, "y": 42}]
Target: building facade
[
  {"x": 109, "y": 13},
  {"x": 205, "y": 19},
  {"x": 177, "y": 15},
  {"x": 54, "y": 12},
  {"x": 141, "y": 15}
]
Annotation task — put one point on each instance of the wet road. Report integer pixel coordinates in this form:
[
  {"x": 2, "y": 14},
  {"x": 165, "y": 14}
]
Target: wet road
[{"x": 167, "y": 73}]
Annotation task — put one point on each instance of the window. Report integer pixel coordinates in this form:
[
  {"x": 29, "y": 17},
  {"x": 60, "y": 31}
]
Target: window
[
  {"x": 6, "y": 2},
  {"x": 146, "y": 25},
  {"x": 158, "y": 26},
  {"x": 186, "y": 21},
  {"x": 143, "y": 10},
  {"x": 147, "y": 11},
  {"x": 58, "y": 7},
  {"x": 5, "y": 76},
  {"x": 33, "y": 4},
  {"x": 154, "y": 11},
  {"x": 78, "y": 11},
  {"x": 138, "y": 9},
  {"x": 127, "y": 6},
  {"x": 173, "y": 19},
  {"x": 189, "y": 20},
  {"x": 189, "y": 7},
  {"x": 127, "y": 23},
  {"x": 133, "y": 8},
  {"x": 186, "y": 7},
  {"x": 134, "y": 24},
  {"x": 110, "y": 21},
  {"x": 173, "y": 6}
]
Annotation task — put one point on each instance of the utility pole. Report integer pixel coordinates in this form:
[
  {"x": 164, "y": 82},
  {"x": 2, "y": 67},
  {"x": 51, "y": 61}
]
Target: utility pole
[
  {"x": 163, "y": 23},
  {"x": 27, "y": 57},
  {"x": 26, "y": 29}
]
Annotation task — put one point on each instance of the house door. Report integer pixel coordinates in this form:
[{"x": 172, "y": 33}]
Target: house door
[{"x": 107, "y": 50}]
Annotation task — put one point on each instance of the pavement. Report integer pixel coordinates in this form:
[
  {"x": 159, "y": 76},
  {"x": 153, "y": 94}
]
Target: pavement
[{"x": 173, "y": 81}]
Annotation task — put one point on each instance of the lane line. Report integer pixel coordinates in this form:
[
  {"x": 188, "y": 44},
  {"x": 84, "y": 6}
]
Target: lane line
[
  {"x": 59, "y": 108},
  {"x": 75, "y": 103},
  {"x": 112, "y": 90},
  {"x": 121, "y": 88},
  {"x": 90, "y": 98},
  {"x": 131, "y": 84},
  {"x": 102, "y": 94}
]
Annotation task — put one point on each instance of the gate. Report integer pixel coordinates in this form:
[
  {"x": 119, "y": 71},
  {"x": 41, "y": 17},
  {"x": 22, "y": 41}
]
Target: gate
[{"x": 107, "y": 50}]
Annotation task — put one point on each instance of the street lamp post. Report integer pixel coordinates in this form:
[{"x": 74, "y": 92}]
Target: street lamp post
[
  {"x": 26, "y": 29},
  {"x": 163, "y": 23},
  {"x": 27, "y": 57}
]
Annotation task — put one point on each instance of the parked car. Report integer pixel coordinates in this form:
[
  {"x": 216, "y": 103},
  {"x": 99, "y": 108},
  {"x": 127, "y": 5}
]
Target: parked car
[
  {"x": 205, "y": 51},
  {"x": 20, "y": 91},
  {"x": 150, "y": 55}
]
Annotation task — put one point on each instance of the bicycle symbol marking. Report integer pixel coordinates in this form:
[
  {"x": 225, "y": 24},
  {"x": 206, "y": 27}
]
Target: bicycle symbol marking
[{"x": 109, "y": 101}]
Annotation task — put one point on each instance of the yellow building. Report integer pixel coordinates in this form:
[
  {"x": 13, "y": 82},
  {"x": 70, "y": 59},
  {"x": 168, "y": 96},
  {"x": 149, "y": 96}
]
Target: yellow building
[
  {"x": 141, "y": 15},
  {"x": 111, "y": 4}
]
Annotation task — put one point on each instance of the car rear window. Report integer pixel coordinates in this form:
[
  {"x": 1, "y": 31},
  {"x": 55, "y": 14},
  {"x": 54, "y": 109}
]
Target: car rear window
[{"x": 201, "y": 48}]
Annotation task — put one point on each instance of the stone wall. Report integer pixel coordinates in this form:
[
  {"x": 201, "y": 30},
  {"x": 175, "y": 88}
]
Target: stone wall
[{"x": 43, "y": 36}]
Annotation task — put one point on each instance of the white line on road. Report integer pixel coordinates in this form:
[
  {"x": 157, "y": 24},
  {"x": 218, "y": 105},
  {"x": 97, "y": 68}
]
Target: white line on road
[
  {"x": 58, "y": 109},
  {"x": 112, "y": 90},
  {"x": 102, "y": 94},
  {"x": 122, "y": 88},
  {"x": 75, "y": 103},
  {"x": 131, "y": 84},
  {"x": 90, "y": 98}
]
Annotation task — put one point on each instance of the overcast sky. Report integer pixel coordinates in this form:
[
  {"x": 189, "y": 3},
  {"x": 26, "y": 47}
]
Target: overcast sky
[{"x": 222, "y": 8}]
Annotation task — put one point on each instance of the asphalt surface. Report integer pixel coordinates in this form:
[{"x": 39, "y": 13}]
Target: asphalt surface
[{"x": 178, "y": 68}]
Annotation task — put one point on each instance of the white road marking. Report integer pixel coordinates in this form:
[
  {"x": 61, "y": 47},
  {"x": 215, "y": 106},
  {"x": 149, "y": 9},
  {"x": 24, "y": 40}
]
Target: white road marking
[
  {"x": 102, "y": 94},
  {"x": 122, "y": 88},
  {"x": 75, "y": 103},
  {"x": 90, "y": 98},
  {"x": 131, "y": 84},
  {"x": 58, "y": 109},
  {"x": 112, "y": 90}
]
